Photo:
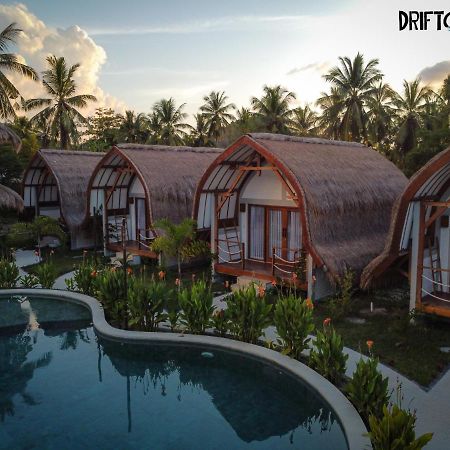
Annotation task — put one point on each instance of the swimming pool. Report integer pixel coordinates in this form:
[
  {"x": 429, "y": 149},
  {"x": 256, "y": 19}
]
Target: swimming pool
[{"x": 64, "y": 387}]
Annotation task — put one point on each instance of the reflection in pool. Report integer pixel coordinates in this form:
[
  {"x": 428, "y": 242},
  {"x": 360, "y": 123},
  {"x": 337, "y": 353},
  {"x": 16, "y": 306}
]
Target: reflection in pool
[{"x": 61, "y": 387}]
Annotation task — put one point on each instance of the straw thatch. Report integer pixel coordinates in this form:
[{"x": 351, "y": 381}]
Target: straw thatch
[
  {"x": 72, "y": 171},
  {"x": 437, "y": 167},
  {"x": 10, "y": 199},
  {"x": 170, "y": 175},
  {"x": 8, "y": 136}
]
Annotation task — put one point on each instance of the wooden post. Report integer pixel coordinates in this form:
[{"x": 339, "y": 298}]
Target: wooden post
[
  {"x": 138, "y": 237},
  {"x": 243, "y": 255},
  {"x": 420, "y": 255},
  {"x": 124, "y": 265},
  {"x": 273, "y": 261}
]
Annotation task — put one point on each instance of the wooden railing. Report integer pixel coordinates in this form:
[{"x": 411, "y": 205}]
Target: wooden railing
[
  {"x": 230, "y": 243},
  {"x": 143, "y": 240},
  {"x": 284, "y": 265}
]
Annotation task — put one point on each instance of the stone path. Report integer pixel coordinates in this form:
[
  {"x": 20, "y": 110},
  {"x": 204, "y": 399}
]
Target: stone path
[{"x": 433, "y": 406}]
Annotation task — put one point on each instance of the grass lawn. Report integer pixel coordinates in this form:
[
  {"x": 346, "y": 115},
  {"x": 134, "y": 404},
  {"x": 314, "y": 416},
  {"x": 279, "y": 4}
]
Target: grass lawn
[{"x": 411, "y": 349}]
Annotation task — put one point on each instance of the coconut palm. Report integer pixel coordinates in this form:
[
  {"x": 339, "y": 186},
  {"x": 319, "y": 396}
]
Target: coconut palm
[
  {"x": 273, "y": 108},
  {"x": 244, "y": 120},
  {"x": 303, "y": 121},
  {"x": 380, "y": 113},
  {"x": 329, "y": 121},
  {"x": 154, "y": 128},
  {"x": 410, "y": 107},
  {"x": 171, "y": 121},
  {"x": 60, "y": 113},
  {"x": 10, "y": 62},
  {"x": 134, "y": 126},
  {"x": 199, "y": 134},
  {"x": 217, "y": 113},
  {"x": 354, "y": 82}
]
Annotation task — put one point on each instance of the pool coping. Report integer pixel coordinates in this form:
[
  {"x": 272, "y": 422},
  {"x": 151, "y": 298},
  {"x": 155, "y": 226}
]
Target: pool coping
[{"x": 350, "y": 421}]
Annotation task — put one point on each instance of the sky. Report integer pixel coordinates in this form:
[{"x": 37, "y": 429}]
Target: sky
[{"x": 134, "y": 53}]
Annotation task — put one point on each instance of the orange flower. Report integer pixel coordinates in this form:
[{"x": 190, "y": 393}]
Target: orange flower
[
  {"x": 327, "y": 321},
  {"x": 52, "y": 252},
  {"x": 193, "y": 277},
  {"x": 274, "y": 283},
  {"x": 261, "y": 291},
  {"x": 309, "y": 303},
  {"x": 294, "y": 276},
  {"x": 177, "y": 281},
  {"x": 227, "y": 284},
  {"x": 84, "y": 252},
  {"x": 93, "y": 273},
  {"x": 369, "y": 344},
  {"x": 129, "y": 271},
  {"x": 36, "y": 253},
  {"x": 161, "y": 274},
  {"x": 314, "y": 279},
  {"x": 113, "y": 269}
]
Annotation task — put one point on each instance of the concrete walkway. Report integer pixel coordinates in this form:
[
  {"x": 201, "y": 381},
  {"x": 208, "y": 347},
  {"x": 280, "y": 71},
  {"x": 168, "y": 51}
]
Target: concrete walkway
[{"x": 432, "y": 406}]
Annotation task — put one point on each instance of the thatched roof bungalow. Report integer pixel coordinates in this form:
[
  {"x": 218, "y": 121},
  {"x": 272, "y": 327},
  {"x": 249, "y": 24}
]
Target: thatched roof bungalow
[
  {"x": 290, "y": 207},
  {"x": 144, "y": 183},
  {"x": 10, "y": 199},
  {"x": 55, "y": 184},
  {"x": 418, "y": 242}
]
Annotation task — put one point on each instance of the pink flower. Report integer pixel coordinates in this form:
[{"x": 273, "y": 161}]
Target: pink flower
[{"x": 327, "y": 321}]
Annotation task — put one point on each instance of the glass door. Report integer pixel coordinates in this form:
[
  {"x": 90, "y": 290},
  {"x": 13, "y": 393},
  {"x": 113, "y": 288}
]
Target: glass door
[
  {"x": 294, "y": 235},
  {"x": 140, "y": 218},
  {"x": 275, "y": 229},
  {"x": 256, "y": 232}
]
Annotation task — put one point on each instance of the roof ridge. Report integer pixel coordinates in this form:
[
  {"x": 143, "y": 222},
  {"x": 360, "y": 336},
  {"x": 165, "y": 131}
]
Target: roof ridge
[
  {"x": 170, "y": 148},
  {"x": 59, "y": 151},
  {"x": 303, "y": 139}
]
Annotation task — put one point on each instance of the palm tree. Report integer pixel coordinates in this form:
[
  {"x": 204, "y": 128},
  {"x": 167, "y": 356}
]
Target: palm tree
[
  {"x": 134, "y": 127},
  {"x": 380, "y": 113},
  {"x": 154, "y": 126},
  {"x": 9, "y": 61},
  {"x": 171, "y": 120},
  {"x": 354, "y": 82},
  {"x": 199, "y": 134},
  {"x": 273, "y": 108},
  {"x": 409, "y": 108},
  {"x": 329, "y": 121},
  {"x": 60, "y": 113},
  {"x": 217, "y": 113},
  {"x": 303, "y": 121}
]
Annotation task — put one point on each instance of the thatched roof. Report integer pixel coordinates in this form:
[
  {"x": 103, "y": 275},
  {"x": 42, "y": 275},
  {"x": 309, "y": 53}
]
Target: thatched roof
[
  {"x": 429, "y": 181},
  {"x": 72, "y": 171},
  {"x": 169, "y": 174},
  {"x": 8, "y": 136},
  {"x": 10, "y": 199},
  {"x": 345, "y": 190}
]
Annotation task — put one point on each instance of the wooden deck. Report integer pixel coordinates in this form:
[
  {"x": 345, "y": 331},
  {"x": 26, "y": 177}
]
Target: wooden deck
[
  {"x": 432, "y": 305},
  {"x": 259, "y": 270},
  {"x": 133, "y": 247}
]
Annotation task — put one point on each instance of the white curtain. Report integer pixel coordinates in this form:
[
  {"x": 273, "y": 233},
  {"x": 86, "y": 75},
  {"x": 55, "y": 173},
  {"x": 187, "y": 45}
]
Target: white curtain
[
  {"x": 294, "y": 235},
  {"x": 275, "y": 231},
  {"x": 140, "y": 216},
  {"x": 257, "y": 232}
]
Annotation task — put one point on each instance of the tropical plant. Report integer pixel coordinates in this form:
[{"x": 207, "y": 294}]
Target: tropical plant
[
  {"x": 112, "y": 293},
  {"x": 179, "y": 241},
  {"x": 395, "y": 430},
  {"x": 60, "y": 112},
  {"x": 245, "y": 120},
  {"x": 103, "y": 129},
  {"x": 173, "y": 311},
  {"x": 133, "y": 127},
  {"x": 409, "y": 108},
  {"x": 9, "y": 274},
  {"x": 197, "y": 307},
  {"x": 329, "y": 121},
  {"x": 340, "y": 306},
  {"x": 199, "y": 134},
  {"x": 10, "y": 62},
  {"x": 248, "y": 313},
  {"x": 293, "y": 318},
  {"x": 146, "y": 304},
  {"x": 303, "y": 122},
  {"x": 273, "y": 110},
  {"x": 217, "y": 113},
  {"x": 354, "y": 82},
  {"x": 29, "y": 280},
  {"x": 11, "y": 167},
  {"x": 84, "y": 278},
  {"x": 170, "y": 119},
  {"x": 220, "y": 322},
  {"x": 47, "y": 274},
  {"x": 367, "y": 389},
  {"x": 22, "y": 234},
  {"x": 327, "y": 356}
]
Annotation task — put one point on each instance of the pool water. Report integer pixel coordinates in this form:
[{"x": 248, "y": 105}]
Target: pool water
[{"x": 62, "y": 387}]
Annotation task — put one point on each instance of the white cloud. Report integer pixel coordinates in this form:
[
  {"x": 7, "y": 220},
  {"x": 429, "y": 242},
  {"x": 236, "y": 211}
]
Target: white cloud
[
  {"x": 39, "y": 40},
  {"x": 436, "y": 74},
  {"x": 320, "y": 67}
]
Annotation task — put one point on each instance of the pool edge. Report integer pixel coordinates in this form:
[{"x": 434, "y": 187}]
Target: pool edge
[{"x": 351, "y": 422}]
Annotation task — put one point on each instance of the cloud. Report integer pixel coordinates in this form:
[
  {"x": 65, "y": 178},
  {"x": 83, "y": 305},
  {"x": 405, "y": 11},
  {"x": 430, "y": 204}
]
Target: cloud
[
  {"x": 318, "y": 67},
  {"x": 220, "y": 24},
  {"x": 39, "y": 40},
  {"x": 435, "y": 75}
]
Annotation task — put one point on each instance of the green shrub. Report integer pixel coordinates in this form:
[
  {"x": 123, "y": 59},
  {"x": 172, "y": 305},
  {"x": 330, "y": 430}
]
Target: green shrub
[
  {"x": 173, "y": 311},
  {"x": 341, "y": 305},
  {"x": 84, "y": 278},
  {"x": 395, "y": 430},
  {"x": 293, "y": 319},
  {"x": 196, "y": 306},
  {"x": 9, "y": 274},
  {"x": 220, "y": 321},
  {"x": 46, "y": 274},
  {"x": 248, "y": 313},
  {"x": 111, "y": 291},
  {"x": 29, "y": 281},
  {"x": 368, "y": 390},
  {"x": 327, "y": 357},
  {"x": 146, "y": 304}
]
